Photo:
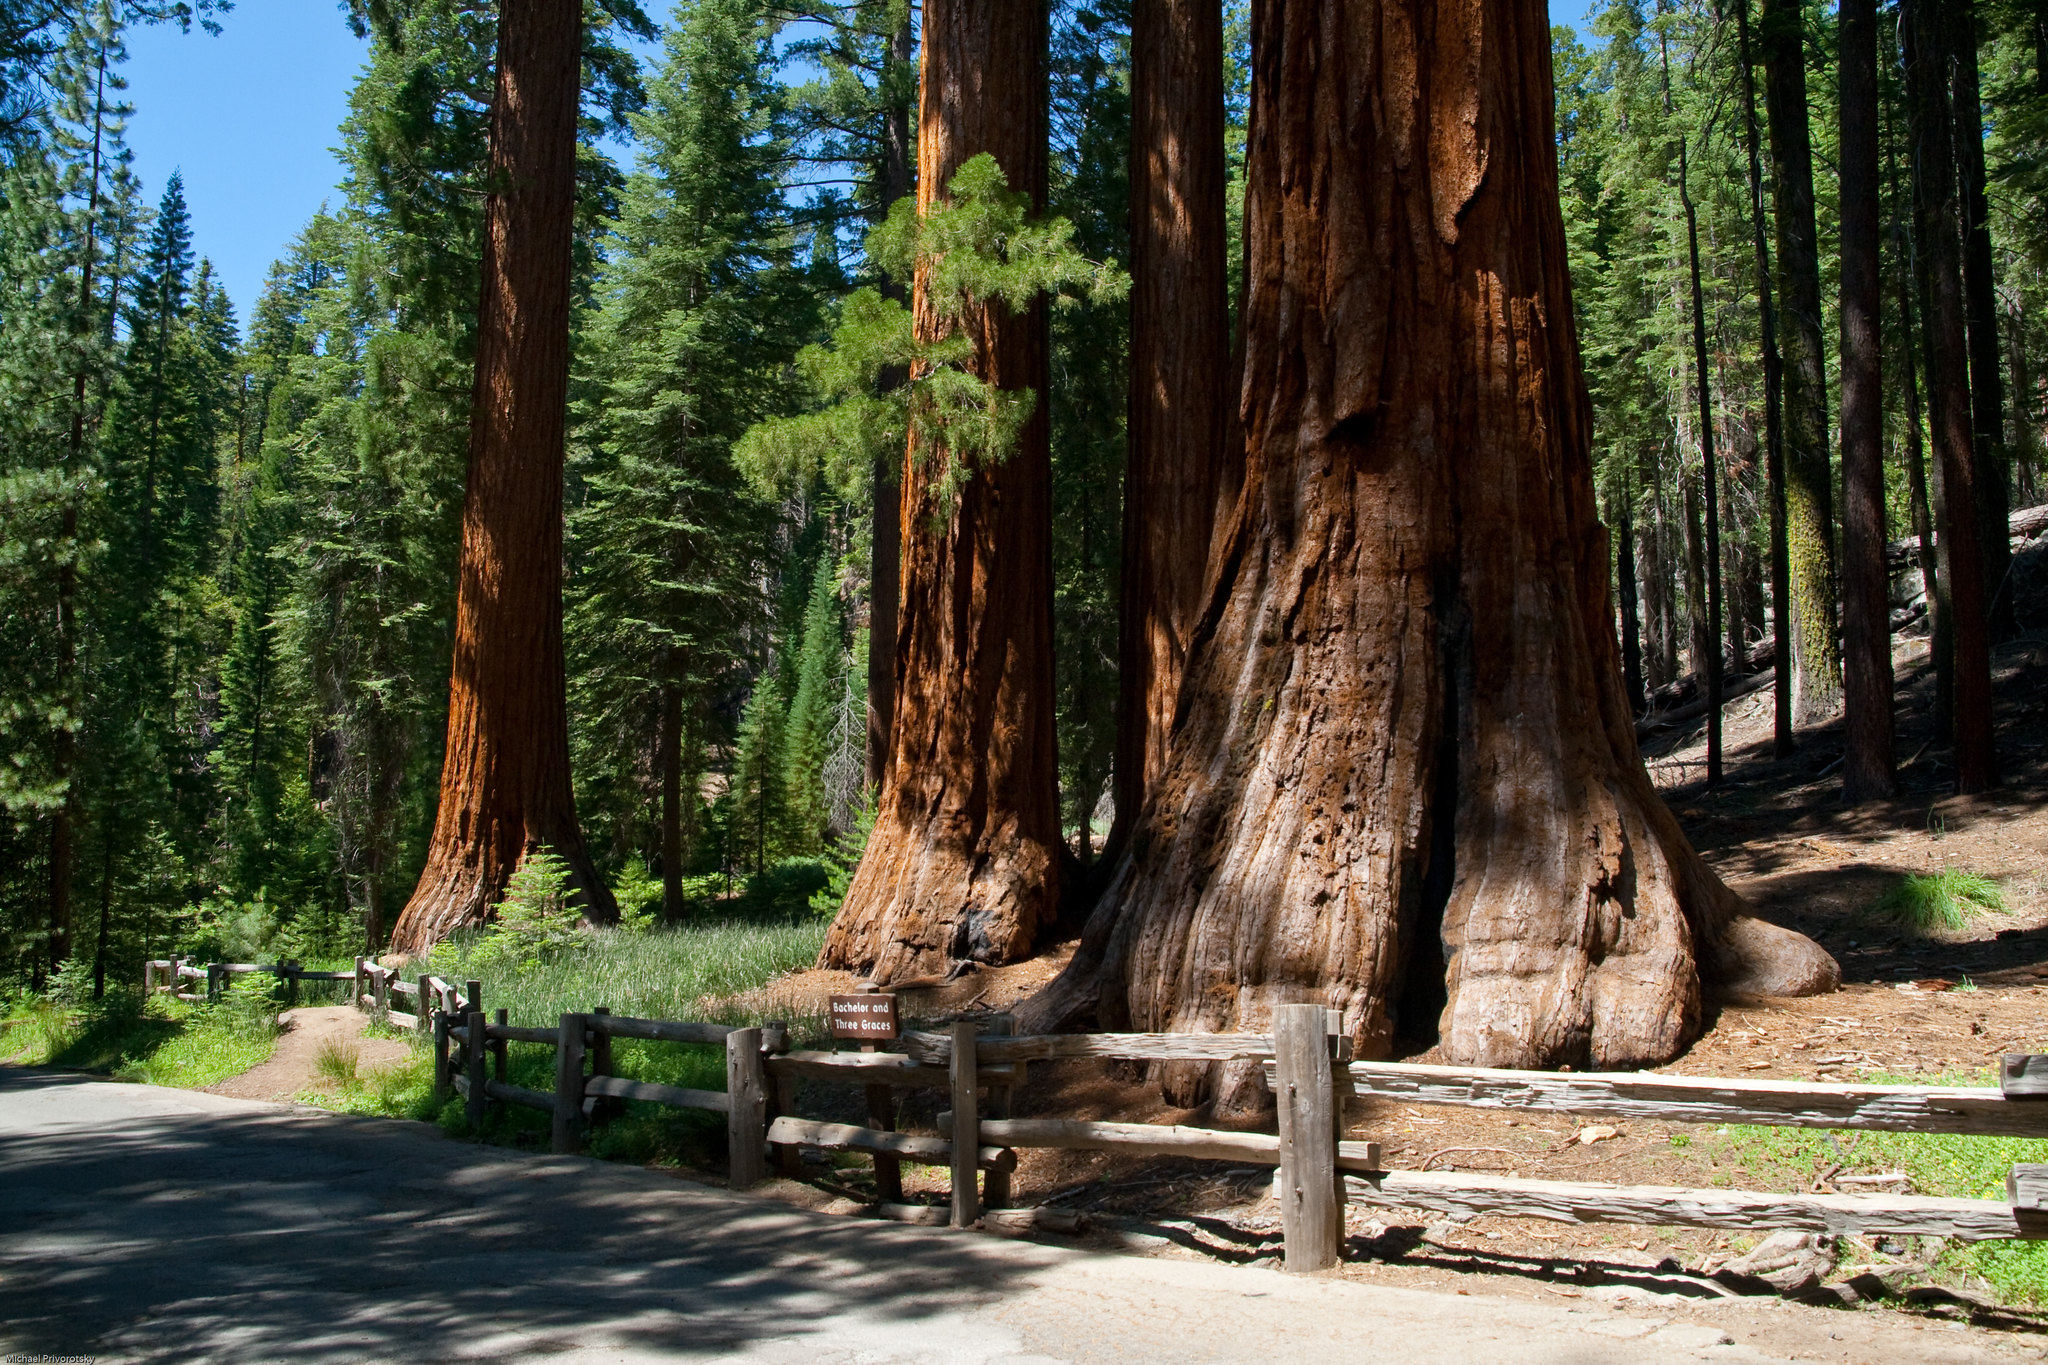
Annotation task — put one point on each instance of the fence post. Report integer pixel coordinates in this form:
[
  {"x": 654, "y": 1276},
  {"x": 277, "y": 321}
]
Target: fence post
[
  {"x": 966, "y": 1127},
  {"x": 746, "y": 1118},
  {"x": 216, "y": 981},
  {"x": 787, "y": 1156},
  {"x": 424, "y": 1003},
  {"x": 473, "y": 1059},
  {"x": 602, "y": 1109},
  {"x": 501, "y": 1052},
  {"x": 355, "y": 986},
  {"x": 995, "y": 1185},
  {"x": 568, "y": 1125},
  {"x": 380, "y": 990},
  {"x": 1311, "y": 1219},
  {"x": 291, "y": 969},
  {"x": 441, "y": 1068},
  {"x": 475, "y": 991},
  {"x": 882, "y": 1118}
]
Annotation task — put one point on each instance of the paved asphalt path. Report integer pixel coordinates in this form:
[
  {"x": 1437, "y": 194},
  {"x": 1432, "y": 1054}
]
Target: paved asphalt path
[{"x": 139, "y": 1223}]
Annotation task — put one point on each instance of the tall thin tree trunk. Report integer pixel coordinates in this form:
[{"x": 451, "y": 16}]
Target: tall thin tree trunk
[
  {"x": 1182, "y": 420},
  {"x": 964, "y": 862},
  {"x": 1774, "y": 400},
  {"x": 1910, "y": 279},
  {"x": 885, "y": 550},
  {"x": 1631, "y": 620},
  {"x": 670, "y": 761},
  {"x": 2024, "y": 442},
  {"x": 505, "y": 768},
  {"x": 1403, "y": 759},
  {"x": 1868, "y": 763},
  {"x": 1980, "y": 306},
  {"x": 1710, "y": 663},
  {"x": 1929, "y": 30},
  {"x": 1809, "y": 498}
]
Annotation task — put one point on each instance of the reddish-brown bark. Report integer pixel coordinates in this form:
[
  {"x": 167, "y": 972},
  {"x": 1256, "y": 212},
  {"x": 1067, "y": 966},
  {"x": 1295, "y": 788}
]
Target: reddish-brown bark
[
  {"x": 1868, "y": 764},
  {"x": 964, "y": 860},
  {"x": 1182, "y": 465},
  {"x": 1929, "y": 29},
  {"x": 1403, "y": 762},
  {"x": 505, "y": 769}
]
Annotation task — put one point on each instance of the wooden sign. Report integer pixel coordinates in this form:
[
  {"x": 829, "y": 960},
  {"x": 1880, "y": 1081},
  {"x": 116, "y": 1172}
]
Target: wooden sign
[{"x": 864, "y": 1018}]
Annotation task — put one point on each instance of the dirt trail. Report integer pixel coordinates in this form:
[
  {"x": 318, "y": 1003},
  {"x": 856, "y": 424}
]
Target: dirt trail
[{"x": 291, "y": 1069}]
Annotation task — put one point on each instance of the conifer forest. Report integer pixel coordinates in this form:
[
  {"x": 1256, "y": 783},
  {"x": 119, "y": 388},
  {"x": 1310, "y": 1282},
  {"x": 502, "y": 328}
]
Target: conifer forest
[{"x": 1217, "y": 479}]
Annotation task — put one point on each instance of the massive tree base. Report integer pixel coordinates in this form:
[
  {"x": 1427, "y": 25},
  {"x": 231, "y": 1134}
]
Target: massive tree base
[
  {"x": 964, "y": 862},
  {"x": 460, "y": 886},
  {"x": 1403, "y": 779}
]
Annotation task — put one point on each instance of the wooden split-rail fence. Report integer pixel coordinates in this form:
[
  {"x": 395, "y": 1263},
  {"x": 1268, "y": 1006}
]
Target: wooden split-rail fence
[{"x": 1314, "y": 1079}]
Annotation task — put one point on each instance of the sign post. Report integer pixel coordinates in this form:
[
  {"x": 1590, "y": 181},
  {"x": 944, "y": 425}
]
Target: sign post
[{"x": 867, "y": 1018}]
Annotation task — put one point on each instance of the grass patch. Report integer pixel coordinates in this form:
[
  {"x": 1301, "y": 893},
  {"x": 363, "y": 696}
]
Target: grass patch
[
  {"x": 1948, "y": 899},
  {"x": 672, "y": 973},
  {"x": 158, "y": 1041},
  {"x": 659, "y": 974},
  {"x": 336, "y": 1061},
  {"x": 1940, "y": 1164}
]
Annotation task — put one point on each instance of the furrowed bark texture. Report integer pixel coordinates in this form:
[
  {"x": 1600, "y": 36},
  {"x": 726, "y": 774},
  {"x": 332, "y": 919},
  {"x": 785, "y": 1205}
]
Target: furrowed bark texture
[
  {"x": 1809, "y": 510},
  {"x": 505, "y": 770},
  {"x": 1183, "y": 421},
  {"x": 1929, "y": 30},
  {"x": 964, "y": 861},
  {"x": 1868, "y": 764},
  {"x": 1403, "y": 703}
]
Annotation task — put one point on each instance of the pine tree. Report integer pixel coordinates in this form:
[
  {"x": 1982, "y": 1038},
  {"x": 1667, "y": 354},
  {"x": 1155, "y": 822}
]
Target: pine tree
[
  {"x": 820, "y": 659},
  {"x": 704, "y": 306}
]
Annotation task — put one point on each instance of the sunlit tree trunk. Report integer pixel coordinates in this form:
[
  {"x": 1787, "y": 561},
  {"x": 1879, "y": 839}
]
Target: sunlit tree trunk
[
  {"x": 1815, "y": 654},
  {"x": 505, "y": 769},
  {"x": 1182, "y": 419},
  {"x": 964, "y": 860},
  {"x": 1403, "y": 776}
]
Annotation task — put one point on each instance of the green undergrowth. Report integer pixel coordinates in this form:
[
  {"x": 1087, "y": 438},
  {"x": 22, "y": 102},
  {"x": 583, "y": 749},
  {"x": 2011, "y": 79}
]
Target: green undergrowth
[
  {"x": 680, "y": 973},
  {"x": 1943, "y": 1165},
  {"x": 690, "y": 972},
  {"x": 158, "y": 1041},
  {"x": 1948, "y": 899}
]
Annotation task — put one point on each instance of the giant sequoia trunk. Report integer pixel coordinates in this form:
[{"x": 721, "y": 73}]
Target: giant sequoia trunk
[
  {"x": 1868, "y": 767},
  {"x": 1182, "y": 419},
  {"x": 505, "y": 770},
  {"x": 1403, "y": 765},
  {"x": 1809, "y": 502},
  {"x": 964, "y": 860}
]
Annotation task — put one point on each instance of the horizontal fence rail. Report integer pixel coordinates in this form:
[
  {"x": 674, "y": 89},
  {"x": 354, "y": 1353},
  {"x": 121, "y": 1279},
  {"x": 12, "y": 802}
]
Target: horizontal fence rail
[
  {"x": 1305, "y": 1060},
  {"x": 1976, "y": 1111}
]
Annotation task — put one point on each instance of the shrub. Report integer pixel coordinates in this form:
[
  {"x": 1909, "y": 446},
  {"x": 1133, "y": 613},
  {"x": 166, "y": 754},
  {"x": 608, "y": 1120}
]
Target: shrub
[
  {"x": 1948, "y": 899},
  {"x": 535, "y": 920},
  {"x": 72, "y": 985}
]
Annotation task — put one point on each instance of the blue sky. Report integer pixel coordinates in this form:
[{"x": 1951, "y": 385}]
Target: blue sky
[{"x": 250, "y": 118}]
